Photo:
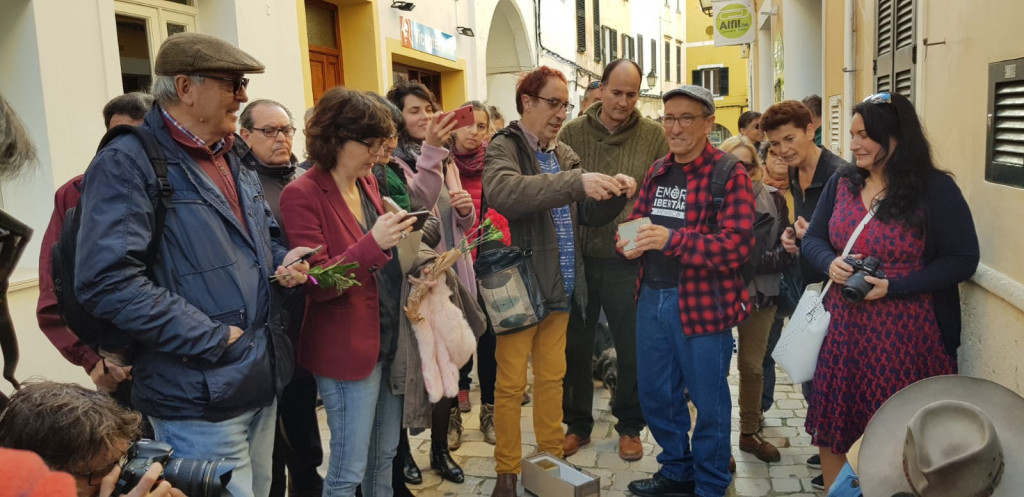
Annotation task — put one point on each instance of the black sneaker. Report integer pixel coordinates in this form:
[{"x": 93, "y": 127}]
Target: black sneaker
[
  {"x": 661, "y": 486},
  {"x": 818, "y": 482},
  {"x": 814, "y": 462}
]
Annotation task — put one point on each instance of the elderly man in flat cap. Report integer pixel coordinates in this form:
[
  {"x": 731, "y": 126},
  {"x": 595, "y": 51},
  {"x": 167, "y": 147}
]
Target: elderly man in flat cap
[{"x": 211, "y": 355}]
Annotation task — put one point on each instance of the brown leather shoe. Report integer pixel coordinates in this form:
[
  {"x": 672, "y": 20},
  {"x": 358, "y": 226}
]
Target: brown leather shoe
[
  {"x": 506, "y": 486},
  {"x": 630, "y": 448},
  {"x": 755, "y": 444},
  {"x": 732, "y": 464},
  {"x": 572, "y": 444}
]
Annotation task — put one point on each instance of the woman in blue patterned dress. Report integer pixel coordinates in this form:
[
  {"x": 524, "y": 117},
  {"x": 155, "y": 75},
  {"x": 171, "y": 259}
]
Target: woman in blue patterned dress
[{"x": 907, "y": 327}]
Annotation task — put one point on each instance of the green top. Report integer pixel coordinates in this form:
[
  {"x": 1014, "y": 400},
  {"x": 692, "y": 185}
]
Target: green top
[{"x": 631, "y": 150}]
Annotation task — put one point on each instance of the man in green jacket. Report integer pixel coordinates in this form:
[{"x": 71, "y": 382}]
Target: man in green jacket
[{"x": 611, "y": 137}]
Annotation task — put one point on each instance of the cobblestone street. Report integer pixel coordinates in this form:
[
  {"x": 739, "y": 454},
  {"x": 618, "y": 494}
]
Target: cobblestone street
[{"x": 783, "y": 427}]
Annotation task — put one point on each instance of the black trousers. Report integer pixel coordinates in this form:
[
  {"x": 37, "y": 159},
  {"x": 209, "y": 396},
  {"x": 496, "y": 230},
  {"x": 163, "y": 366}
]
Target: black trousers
[
  {"x": 297, "y": 443},
  {"x": 610, "y": 285}
]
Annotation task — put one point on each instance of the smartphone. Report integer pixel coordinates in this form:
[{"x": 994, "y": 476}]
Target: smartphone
[
  {"x": 463, "y": 116},
  {"x": 421, "y": 219},
  {"x": 627, "y": 231},
  {"x": 391, "y": 206}
]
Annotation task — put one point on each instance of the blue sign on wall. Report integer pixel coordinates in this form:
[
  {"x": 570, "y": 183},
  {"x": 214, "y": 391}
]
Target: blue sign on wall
[{"x": 427, "y": 39}]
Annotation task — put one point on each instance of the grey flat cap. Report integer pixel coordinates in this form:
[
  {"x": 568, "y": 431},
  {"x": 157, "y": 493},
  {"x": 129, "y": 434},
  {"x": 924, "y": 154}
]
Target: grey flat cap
[
  {"x": 698, "y": 93},
  {"x": 191, "y": 53}
]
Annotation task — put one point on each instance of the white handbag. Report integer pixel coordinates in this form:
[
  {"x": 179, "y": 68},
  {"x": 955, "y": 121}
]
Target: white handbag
[{"x": 798, "y": 347}]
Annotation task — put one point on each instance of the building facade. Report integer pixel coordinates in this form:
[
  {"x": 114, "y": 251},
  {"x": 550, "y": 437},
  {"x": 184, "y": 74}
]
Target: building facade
[{"x": 720, "y": 69}]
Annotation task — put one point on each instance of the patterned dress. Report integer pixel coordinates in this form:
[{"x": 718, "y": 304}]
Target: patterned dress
[{"x": 873, "y": 348}]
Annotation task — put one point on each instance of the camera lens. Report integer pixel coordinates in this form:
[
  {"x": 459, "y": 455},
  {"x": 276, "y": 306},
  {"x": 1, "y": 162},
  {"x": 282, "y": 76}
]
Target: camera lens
[
  {"x": 856, "y": 288},
  {"x": 197, "y": 478}
]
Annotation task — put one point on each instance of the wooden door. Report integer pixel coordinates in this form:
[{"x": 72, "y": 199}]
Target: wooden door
[{"x": 325, "y": 63}]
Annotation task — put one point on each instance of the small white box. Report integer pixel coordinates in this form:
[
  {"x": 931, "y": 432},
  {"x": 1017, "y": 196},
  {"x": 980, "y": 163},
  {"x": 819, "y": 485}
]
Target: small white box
[{"x": 545, "y": 475}]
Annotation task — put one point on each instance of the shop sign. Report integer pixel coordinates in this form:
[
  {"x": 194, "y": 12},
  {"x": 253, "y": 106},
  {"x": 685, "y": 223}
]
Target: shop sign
[
  {"x": 427, "y": 39},
  {"x": 734, "y": 22}
]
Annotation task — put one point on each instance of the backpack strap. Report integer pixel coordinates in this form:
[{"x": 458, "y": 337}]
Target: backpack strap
[
  {"x": 719, "y": 177},
  {"x": 159, "y": 162},
  {"x": 524, "y": 154}
]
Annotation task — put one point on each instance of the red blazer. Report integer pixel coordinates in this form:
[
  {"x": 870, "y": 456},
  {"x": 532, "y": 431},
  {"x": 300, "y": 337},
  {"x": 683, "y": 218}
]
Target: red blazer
[{"x": 340, "y": 336}]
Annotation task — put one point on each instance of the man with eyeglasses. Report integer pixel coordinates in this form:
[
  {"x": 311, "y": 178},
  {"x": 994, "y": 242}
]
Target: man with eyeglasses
[
  {"x": 267, "y": 129},
  {"x": 611, "y": 137},
  {"x": 690, "y": 295},
  {"x": 538, "y": 183},
  {"x": 211, "y": 353}
]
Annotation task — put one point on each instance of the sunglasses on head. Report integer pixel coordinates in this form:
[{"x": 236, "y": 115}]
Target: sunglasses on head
[{"x": 879, "y": 98}]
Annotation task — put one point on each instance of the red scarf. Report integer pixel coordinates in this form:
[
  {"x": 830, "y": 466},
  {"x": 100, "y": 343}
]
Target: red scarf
[{"x": 470, "y": 163}]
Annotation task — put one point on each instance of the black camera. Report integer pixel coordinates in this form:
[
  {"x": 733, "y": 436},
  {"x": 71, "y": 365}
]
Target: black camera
[
  {"x": 856, "y": 288},
  {"x": 193, "y": 477}
]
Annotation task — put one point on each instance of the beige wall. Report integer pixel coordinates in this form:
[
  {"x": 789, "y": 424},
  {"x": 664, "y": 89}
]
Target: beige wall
[{"x": 952, "y": 101}]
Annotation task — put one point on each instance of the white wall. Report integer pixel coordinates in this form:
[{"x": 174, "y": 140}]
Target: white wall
[
  {"x": 507, "y": 47},
  {"x": 802, "y": 44}
]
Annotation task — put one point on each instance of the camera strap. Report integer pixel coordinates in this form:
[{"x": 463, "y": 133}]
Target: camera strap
[{"x": 849, "y": 244}]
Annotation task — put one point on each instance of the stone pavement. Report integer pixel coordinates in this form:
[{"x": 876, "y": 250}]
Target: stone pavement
[{"x": 783, "y": 427}]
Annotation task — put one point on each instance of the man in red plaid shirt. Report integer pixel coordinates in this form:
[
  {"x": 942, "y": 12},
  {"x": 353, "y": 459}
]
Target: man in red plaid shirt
[{"x": 689, "y": 296}]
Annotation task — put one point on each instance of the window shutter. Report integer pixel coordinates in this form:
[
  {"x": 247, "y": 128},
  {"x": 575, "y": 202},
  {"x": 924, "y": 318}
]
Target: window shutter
[
  {"x": 581, "y": 26},
  {"x": 698, "y": 78},
  {"x": 723, "y": 81},
  {"x": 679, "y": 62},
  {"x": 1004, "y": 152},
  {"x": 640, "y": 50},
  {"x": 668, "y": 61},
  {"x": 835, "y": 124},
  {"x": 884, "y": 46},
  {"x": 597, "y": 31},
  {"x": 904, "y": 48},
  {"x": 654, "y": 55},
  {"x": 613, "y": 45}
]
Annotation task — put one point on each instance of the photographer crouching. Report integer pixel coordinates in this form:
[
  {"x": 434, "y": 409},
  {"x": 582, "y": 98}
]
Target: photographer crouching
[{"x": 84, "y": 433}]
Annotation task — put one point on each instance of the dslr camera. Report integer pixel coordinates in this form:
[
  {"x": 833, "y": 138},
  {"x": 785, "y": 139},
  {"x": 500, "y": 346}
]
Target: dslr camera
[
  {"x": 856, "y": 288},
  {"x": 194, "y": 477}
]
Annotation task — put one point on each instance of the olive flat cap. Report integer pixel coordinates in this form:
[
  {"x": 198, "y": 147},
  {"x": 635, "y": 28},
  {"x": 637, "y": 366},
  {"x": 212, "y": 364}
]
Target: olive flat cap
[{"x": 191, "y": 53}]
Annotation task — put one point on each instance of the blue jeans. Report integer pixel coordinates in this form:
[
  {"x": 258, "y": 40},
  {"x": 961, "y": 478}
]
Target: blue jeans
[
  {"x": 669, "y": 362},
  {"x": 365, "y": 419},
  {"x": 246, "y": 440}
]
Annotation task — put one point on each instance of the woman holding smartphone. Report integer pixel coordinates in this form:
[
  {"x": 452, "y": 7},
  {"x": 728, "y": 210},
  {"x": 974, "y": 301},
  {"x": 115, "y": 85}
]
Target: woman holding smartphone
[{"x": 348, "y": 341}]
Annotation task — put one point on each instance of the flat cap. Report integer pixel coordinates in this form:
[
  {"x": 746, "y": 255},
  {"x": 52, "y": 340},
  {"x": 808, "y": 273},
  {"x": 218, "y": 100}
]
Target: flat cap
[
  {"x": 698, "y": 93},
  {"x": 191, "y": 53}
]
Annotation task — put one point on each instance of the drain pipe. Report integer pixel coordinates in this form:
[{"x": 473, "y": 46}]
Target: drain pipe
[{"x": 849, "y": 69}]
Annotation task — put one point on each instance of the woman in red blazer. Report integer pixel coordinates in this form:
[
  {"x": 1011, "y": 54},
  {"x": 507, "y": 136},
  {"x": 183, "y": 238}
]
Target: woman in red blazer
[{"x": 348, "y": 340}]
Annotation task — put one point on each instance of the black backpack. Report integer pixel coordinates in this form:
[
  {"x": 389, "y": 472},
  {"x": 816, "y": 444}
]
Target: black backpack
[
  {"x": 763, "y": 222},
  {"x": 94, "y": 332}
]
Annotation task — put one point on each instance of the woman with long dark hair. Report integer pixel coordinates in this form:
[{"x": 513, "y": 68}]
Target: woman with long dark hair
[{"x": 906, "y": 326}]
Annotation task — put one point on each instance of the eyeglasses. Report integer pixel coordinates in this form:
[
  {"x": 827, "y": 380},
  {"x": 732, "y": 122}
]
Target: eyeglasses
[
  {"x": 879, "y": 98},
  {"x": 271, "y": 131},
  {"x": 95, "y": 476},
  {"x": 371, "y": 148},
  {"x": 555, "y": 104},
  {"x": 237, "y": 84},
  {"x": 685, "y": 120}
]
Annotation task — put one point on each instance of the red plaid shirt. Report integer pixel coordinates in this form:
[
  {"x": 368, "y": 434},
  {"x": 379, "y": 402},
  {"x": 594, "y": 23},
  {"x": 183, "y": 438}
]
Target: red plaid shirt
[{"x": 712, "y": 295}]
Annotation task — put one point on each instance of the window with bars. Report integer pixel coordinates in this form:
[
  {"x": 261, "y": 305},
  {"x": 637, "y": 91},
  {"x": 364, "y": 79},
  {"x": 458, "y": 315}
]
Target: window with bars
[
  {"x": 715, "y": 79},
  {"x": 895, "y": 46},
  {"x": 613, "y": 42},
  {"x": 1004, "y": 151},
  {"x": 581, "y": 26}
]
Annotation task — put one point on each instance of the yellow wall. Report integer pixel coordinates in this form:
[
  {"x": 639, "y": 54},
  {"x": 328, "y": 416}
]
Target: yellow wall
[
  {"x": 735, "y": 103},
  {"x": 454, "y": 89},
  {"x": 834, "y": 75},
  {"x": 360, "y": 51}
]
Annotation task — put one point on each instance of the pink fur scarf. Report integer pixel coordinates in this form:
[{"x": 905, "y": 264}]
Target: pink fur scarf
[{"x": 446, "y": 342}]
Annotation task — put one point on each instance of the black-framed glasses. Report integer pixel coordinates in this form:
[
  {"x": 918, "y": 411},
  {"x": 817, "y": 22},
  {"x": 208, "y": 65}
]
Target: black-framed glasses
[
  {"x": 555, "y": 104},
  {"x": 685, "y": 120},
  {"x": 879, "y": 98},
  {"x": 370, "y": 147},
  {"x": 272, "y": 131},
  {"x": 237, "y": 84},
  {"x": 95, "y": 476}
]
